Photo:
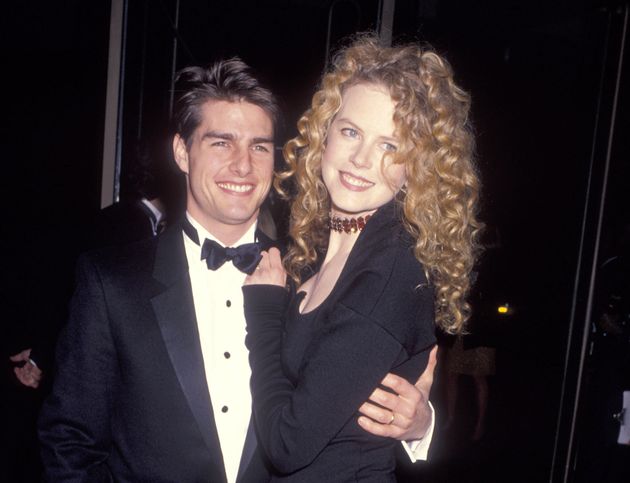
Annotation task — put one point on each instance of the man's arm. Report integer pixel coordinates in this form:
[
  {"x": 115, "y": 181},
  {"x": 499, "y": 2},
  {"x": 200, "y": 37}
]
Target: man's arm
[
  {"x": 406, "y": 415},
  {"x": 74, "y": 424}
]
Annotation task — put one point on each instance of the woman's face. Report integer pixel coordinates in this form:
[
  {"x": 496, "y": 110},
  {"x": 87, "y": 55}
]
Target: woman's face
[{"x": 357, "y": 166}]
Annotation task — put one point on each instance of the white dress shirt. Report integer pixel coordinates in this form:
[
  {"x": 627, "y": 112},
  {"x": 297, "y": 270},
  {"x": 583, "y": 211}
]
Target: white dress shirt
[{"x": 218, "y": 300}]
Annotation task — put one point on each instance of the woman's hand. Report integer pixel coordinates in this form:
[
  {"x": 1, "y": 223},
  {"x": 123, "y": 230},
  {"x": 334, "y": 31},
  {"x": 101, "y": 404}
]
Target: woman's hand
[{"x": 269, "y": 271}]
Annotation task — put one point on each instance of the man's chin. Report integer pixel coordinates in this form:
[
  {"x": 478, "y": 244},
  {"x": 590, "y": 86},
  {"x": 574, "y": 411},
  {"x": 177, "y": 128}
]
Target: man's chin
[{"x": 240, "y": 217}]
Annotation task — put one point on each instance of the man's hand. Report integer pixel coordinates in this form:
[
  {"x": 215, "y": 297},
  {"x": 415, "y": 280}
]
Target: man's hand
[
  {"x": 26, "y": 372},
  {"x": 405, "y": 415}
]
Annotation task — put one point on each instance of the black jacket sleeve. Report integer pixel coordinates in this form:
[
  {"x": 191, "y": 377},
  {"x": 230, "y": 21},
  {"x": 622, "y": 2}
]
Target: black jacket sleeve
[{"x": 74, "y": 425}]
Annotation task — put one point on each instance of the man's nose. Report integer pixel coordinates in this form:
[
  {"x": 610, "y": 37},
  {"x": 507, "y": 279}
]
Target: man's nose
[{"x": 242, "y": 163}]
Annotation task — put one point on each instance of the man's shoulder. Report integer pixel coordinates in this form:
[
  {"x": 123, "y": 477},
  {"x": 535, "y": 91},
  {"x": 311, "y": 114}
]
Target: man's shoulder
[
  {"x": 122, "y": 254},
  {"x": 136, "y": 258}
]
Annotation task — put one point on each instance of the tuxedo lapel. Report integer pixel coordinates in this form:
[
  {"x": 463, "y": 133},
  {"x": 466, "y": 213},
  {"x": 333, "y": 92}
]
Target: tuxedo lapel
[
  {"x": 249, "y": 448},
  {"x": 175, "y": 313}
]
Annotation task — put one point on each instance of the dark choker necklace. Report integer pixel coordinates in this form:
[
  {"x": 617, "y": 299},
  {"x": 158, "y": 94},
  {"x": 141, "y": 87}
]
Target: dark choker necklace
[{"x": 347, "y": 225}]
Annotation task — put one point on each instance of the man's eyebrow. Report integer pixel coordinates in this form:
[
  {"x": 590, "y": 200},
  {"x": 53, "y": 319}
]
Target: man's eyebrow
[
  {"x": 218, "y": 134},
  {"x": 262, "y": 140}
]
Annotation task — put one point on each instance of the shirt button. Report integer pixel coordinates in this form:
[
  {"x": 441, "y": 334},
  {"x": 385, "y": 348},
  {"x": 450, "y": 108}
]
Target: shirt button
[
  {"x": 227, "y": 355},
  {"x": 228, "y": 303},
  {"x": 224, "y": 409}
]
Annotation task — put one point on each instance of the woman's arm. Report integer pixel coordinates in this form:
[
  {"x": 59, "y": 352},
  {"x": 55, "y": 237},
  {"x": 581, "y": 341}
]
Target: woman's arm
[{"x": 344, "y": 363}]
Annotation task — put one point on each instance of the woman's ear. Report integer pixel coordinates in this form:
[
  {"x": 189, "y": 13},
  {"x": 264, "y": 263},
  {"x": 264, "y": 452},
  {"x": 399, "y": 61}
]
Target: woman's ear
[{"x": 402, "y": 192}]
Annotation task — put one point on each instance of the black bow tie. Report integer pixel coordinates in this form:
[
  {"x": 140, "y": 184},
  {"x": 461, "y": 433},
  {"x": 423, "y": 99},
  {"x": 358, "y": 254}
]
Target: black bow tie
[{"x": 244, "y": 257}]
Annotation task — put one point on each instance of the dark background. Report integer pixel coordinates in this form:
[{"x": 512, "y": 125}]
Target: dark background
[{"x": 542, "y": 78}]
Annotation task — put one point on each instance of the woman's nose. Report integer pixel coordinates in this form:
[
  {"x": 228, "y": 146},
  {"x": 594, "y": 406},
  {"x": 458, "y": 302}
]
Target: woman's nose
[{"x": 361, "y": 157}]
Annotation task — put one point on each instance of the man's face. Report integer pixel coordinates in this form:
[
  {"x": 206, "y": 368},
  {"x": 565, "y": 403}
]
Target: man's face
[{"x": 229, "y": 165}]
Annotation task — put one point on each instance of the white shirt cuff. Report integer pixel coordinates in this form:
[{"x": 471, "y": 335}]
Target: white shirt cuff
[{"x": 418, "y": 449}]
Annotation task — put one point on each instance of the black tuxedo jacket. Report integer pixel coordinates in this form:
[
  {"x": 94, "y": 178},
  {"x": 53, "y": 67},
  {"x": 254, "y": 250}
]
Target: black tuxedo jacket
[{"x": 130, "y": 401}]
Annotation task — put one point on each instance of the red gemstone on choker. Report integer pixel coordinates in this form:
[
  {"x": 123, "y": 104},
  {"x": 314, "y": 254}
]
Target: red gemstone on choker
[{"x": 348, "y": 225}]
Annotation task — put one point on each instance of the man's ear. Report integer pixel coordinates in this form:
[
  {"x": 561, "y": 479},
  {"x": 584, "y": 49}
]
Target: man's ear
[{"x": 180, "y": 153}]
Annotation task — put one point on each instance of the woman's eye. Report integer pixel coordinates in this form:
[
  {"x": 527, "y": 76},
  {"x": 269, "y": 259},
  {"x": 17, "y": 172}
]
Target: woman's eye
[
  {"x": 389, "y": 147},
  {"x": 351, "y": 133}
]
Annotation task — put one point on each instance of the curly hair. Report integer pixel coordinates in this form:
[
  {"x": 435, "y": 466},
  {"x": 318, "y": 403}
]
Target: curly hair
[{"x": 436, "y": 147}]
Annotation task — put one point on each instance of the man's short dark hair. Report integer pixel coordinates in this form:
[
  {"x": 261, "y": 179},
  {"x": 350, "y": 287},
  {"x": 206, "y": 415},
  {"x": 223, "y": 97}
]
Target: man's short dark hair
[{"x": 229, "y": 80}]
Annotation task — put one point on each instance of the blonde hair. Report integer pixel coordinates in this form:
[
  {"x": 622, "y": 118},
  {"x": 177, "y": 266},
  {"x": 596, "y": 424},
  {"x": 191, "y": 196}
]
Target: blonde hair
[{"x": 436, "y": 146}]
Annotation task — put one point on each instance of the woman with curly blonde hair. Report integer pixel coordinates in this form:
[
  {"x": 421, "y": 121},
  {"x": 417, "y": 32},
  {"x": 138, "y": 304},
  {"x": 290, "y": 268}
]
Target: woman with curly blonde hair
[{"x": 383, "y": 228}]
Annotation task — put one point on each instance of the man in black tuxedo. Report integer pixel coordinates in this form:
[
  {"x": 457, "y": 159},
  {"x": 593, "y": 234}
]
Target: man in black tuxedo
[{"x": 152, "y": 376}]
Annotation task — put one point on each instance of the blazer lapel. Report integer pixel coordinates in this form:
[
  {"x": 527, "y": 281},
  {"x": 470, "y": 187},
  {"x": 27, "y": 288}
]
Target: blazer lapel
[{"x": 174, "y": 310}]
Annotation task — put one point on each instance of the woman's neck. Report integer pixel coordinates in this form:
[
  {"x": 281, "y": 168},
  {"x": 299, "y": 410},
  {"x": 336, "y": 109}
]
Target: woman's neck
[
  {"x": 340, "y": 243},
  {"x": 344, "y": 232}
]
